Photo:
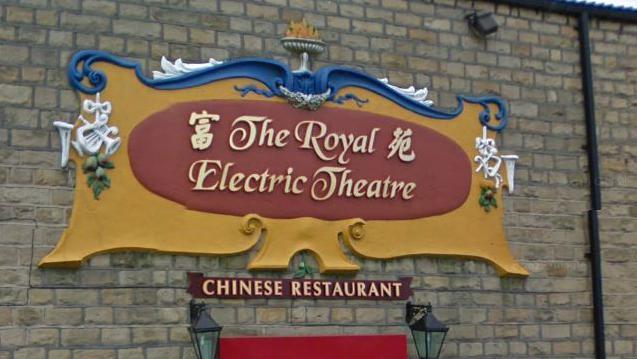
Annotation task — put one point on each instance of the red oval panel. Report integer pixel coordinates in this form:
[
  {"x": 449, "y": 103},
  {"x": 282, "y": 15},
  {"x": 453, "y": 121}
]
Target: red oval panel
[{"x": 292, "y": 180}]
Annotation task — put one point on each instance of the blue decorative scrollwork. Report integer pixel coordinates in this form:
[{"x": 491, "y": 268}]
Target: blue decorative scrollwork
[
  {"x": 485, "y": 115},
  {"x": 270, "y": 72},
  {"x": 81, "y": 66},
  {"x": 272, "y": 75},
  {"x": 349, "y": 97},
  {"x": 251, "y": 88}
]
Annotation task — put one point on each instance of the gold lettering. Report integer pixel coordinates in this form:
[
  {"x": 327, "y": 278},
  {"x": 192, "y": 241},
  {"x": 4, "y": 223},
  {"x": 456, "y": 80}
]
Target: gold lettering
[
  {"x": 327, "y": 186},
  {"x": 331, "y": 142},
  {"x": 245, "y": 287},
  {"x": 222, "y": 287},
  {"x": 297, "y": 185},
  {"x": 386, "y": 184},
  {"x": 359, "y": 188},
  {"x": 310, "y": 138},
  {"x": 258, "y": 287},
  {"x": 385, "y": 289},
  {"x": 203, "y": 174},
  {"x": 207, "y": 287},
  {"x": 350, "y": 289},
  {"x": 373, "y": 291},
  {"x": 224, "y": 176},
  {"x": 338, "y": 291},
  {"x": 266, "y": 137},
  {"x": 313, "y": 135},
  {"x": 296, "y": 289},
  {"x": 360, "y": 286},
  {"x": 253, "y": 177},
  {"x": 307, "y": 288},
  {"x": 372, "y": 138},
  {"x": 274, "y": 181},
  {"x": 326, "y": 182},
  {"x": 247, "y": 136},
  {"x": 345, "y": 187},
  {"x": 409, "y": 187},
  {"x": 263, "y": 181},
  {"x": 288, "y": 180},
  {"x": 397, "y": 287},
  {"x": 395, "y": 187},
  {"x": 374, "y": 189},
  {"x": 326, "y": 288},
  {"x": 267, "y": 288},
  {"x": 360, "y": 144},
  {"x": 235, "y": 182},
  {"x": 281, "y": 137}
]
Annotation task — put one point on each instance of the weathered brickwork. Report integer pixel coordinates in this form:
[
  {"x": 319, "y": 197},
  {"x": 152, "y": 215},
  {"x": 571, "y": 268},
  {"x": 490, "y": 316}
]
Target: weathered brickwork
[
  {"x": 615, "y": 48},
  {"x": 134, "y": 305}
]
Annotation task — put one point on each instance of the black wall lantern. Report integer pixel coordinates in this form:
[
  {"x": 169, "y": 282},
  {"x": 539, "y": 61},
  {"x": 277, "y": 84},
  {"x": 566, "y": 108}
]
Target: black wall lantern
[
  {"x": 204, "y": 332},
  {"x": 482, "y": 24},
  {"x": 428, "y": 333}
]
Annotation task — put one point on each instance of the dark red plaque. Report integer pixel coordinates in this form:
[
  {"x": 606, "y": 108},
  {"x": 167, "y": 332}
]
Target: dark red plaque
[
  {"x": 254, "y": 288},
  {"x": 434, "y": 182}
]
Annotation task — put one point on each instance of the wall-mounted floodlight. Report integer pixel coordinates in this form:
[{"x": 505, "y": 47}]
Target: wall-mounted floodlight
[{"x": 482, "y": 24}]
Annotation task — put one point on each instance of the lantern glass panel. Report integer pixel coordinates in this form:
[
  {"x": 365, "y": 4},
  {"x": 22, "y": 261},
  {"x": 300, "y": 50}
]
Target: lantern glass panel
[
  {"x": 420, "y": 338},
  {"x": 428, "y": 344},
  {"x": 208, "y": 344},
  {"x": 193, "y": 338},
  {"x": 434, "y": 343}
]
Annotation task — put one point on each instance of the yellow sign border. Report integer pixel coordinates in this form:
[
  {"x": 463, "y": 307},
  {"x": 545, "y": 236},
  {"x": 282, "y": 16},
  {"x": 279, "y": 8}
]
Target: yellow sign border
[{"x": 129, "y": 217}]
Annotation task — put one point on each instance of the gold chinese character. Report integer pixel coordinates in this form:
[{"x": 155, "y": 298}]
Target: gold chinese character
[
  {"x": 202, "y": 139},
  {"x": 401, "y": 144}
]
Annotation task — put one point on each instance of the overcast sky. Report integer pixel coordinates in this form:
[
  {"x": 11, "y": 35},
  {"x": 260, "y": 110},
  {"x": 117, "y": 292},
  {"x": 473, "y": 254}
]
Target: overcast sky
[{"x": 629, "y": 3}]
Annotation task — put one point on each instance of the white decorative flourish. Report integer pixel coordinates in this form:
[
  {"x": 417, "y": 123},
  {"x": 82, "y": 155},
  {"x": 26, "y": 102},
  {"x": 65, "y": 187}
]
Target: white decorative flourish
[
  {"x": 64, "y": 130},
  {"x": 419, "y": 95},
  {"x": 489, "y": 162},
  {"x": 178, "y": 68},
  {"x": 509, "y": 162},
  {"x": 90, "y": 137}
]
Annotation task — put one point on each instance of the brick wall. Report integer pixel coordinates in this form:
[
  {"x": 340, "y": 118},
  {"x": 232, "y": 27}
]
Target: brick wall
[
  {"x": 615, "y": 47},
  {"x": 134, "y": 305}
]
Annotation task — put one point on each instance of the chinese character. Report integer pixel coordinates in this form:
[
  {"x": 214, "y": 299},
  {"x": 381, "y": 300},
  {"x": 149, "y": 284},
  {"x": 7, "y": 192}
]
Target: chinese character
[
  {"x": 202, "y": 139},
  {"x": 401, "y": 144}
]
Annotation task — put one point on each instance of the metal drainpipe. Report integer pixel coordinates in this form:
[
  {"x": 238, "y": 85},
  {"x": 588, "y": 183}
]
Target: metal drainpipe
[{"x": 595, "y": 191}]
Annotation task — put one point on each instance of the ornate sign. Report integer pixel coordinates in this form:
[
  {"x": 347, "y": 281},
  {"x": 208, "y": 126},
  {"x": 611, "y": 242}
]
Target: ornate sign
[{"x": 213, "y": 158}]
